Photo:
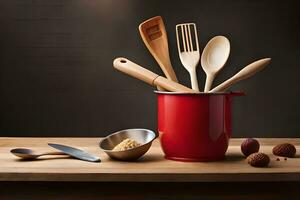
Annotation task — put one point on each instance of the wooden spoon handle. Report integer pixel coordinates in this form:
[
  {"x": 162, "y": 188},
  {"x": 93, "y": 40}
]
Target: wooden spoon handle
[
  {"x": 208, "y": 83},
  {"x": 126, "y": 66},
  {"x": 246, "y": 72},
  {"x": 172, "y": 86}
]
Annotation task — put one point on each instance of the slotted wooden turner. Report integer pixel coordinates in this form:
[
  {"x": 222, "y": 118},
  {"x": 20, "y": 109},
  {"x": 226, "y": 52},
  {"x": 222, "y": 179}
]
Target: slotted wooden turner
[{"x": 154, "y": 35}]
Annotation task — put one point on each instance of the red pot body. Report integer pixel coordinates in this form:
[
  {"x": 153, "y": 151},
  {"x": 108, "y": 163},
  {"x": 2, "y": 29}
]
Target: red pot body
[{"x": 194, "y": 127}]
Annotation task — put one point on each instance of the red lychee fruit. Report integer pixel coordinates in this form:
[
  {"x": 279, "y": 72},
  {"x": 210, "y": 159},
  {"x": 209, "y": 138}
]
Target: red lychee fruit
[{"x": 250, "y": 146}]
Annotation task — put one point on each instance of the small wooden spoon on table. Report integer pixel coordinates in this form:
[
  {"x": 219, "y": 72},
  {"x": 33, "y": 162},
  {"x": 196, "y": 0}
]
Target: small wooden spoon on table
[
  {"x": 246, "y": 72},
  {"x": 214, "y": 57}
]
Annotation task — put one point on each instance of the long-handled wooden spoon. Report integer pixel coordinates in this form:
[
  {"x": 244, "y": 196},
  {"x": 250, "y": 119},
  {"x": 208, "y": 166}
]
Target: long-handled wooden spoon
[
  {"x": 154, "y": 35},
  {"x": 246, "y": 72},
  {"x": 126, "y": 66},
  {"x": 214, "y": 57}
]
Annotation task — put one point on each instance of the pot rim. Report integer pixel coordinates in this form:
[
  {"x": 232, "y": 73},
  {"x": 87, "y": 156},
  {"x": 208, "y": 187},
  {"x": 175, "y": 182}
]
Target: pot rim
[{"x": 234, "y": 93}]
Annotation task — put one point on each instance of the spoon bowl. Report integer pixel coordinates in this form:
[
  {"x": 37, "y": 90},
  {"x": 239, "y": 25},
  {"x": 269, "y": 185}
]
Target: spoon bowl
[
  {"x": 214, "y": 57},
  {"x": 24, "y": 153}
]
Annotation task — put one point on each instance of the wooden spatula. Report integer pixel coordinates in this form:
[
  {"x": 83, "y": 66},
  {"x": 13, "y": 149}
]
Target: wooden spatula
[
  {"x": 154, "y": 35},
  {"x": 126, "y": 66}
]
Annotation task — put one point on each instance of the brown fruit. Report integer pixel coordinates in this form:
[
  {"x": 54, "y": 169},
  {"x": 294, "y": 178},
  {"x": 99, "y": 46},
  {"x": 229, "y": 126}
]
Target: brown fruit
[
  {"x": 285, "y": 150},
  {"x": 250, "y": 146},
  {"x": 258, "y": 160}
]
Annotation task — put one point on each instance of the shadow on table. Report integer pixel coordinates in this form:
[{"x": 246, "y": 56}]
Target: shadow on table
[
  {"x": 234, "y": 157},
  {"x": 151, "y": 158},
  {"x": 43, "y": 159}
]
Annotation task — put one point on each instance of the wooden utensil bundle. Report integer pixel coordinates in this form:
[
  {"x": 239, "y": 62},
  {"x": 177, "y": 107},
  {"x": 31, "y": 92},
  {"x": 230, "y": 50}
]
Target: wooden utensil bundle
[{"x": 213, "y": 58}]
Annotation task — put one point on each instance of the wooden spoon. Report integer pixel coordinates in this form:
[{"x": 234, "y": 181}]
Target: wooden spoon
[
  {"x": 214, "y": 57},
  {"x": 246, "y": 72},
  {"x": 154, "y": 35},
  {"x": 126, "y": 66}
]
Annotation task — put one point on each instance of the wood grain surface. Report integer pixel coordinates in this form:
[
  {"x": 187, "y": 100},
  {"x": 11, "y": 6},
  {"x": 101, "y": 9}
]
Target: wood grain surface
[{"x": 151, "y": 168}]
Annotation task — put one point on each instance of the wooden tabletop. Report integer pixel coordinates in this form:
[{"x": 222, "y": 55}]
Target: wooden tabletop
[{"x": 152, "y": 167}]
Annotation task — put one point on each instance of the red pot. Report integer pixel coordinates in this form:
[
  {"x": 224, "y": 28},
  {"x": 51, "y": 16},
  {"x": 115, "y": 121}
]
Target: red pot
[{"x": 194, "y": 127}]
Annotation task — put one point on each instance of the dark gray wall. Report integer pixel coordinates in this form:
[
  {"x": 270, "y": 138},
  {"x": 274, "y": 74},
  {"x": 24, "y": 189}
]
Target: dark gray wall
[{"x": 56, "y": 75}]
